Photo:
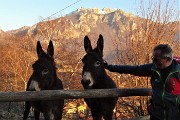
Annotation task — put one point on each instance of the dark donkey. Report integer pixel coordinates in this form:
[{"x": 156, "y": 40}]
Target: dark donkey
[
  {"x": 44, "y": 78},
  {"x": 94, "y": 77}
]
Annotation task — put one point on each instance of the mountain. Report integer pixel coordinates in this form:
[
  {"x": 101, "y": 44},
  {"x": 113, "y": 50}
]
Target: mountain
[
  {"x": 115, "y": 25},
  {"x": 81, "y": 22},
  {"x": 3, "y": 37},
  {"x": 19, "y": 32}
]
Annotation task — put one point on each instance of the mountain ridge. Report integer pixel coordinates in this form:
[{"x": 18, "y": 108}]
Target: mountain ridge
[{"x": 114, "y": 24}]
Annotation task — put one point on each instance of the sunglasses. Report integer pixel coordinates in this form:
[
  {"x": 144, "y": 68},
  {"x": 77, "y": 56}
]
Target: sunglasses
[{"x": 157, "y": 59}]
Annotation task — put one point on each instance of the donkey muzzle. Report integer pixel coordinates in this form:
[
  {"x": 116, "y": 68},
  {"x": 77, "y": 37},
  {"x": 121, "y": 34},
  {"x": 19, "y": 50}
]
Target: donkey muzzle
[{"x": 34, "y": 86}]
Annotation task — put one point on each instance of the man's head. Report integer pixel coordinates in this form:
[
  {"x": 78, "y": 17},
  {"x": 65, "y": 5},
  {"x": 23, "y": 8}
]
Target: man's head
[{"x": 162, "y": 56}]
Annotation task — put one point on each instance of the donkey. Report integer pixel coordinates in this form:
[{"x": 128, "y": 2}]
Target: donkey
[
  {"x": 44, "y": 78},
  {"x": 94, "y": 77}
]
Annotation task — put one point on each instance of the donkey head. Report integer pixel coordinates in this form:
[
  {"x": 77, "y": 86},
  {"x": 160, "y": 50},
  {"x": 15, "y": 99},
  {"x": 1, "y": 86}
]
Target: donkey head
[
  {"x": 93, "y": 67},
  {"x": 44, "y": 70}
]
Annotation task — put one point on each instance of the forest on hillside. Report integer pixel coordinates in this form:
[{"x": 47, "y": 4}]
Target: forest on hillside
[{"x": 132, "y": 45}]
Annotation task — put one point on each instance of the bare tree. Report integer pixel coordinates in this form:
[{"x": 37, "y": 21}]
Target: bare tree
[
  {"x": 158, "y": 23},
  {"x": 16, "y": 64}
]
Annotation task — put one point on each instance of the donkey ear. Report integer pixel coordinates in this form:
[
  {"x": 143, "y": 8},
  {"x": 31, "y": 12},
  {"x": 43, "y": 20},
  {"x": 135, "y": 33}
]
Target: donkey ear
[
  {"x": 100, "y": 44},
  {"x": 39, "y": 49},
  {"x": 50, "y": 49},
  {"x": 87, "y": 44}
]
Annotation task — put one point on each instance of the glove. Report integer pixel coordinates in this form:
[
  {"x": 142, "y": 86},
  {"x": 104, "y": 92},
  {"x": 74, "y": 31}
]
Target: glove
[{"x": 105, "y": 65}]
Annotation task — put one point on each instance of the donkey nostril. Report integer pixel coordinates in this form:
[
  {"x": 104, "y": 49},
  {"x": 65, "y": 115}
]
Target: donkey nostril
[{"x": 85, "y": 82}]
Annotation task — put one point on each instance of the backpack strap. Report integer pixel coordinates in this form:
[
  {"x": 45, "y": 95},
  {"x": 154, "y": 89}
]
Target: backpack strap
[{"x": 177, "y": 58}]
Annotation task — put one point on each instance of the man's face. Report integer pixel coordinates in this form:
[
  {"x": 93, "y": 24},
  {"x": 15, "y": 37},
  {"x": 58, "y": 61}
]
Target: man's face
[{"x": 159, "y": 60}]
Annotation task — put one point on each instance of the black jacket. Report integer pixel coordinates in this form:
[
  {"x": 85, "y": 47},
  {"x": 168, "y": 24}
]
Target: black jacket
[{"x": 166, "y": 94}]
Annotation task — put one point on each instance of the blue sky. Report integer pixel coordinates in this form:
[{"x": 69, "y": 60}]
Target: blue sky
[{"x": 18, "y": 13}]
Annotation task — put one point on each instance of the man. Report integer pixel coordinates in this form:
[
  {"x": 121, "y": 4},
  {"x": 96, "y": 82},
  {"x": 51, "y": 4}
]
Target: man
[{"x": 165, "y": 82}]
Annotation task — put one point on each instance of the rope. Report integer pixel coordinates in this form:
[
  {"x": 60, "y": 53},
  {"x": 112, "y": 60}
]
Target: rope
[{"x": 61, "y": 10}]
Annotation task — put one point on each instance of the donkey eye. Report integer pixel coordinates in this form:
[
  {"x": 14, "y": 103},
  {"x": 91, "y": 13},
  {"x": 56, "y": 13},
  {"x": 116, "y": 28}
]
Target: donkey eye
[
  {"x": 97, "y": 63},
  {"x": 45, "y": 71}
]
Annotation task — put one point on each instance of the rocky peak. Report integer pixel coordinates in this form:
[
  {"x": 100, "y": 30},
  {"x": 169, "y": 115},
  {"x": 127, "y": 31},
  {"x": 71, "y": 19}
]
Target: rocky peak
[
  {"x": 79, "y": 23},
  {"x": 94, "y": 10}
]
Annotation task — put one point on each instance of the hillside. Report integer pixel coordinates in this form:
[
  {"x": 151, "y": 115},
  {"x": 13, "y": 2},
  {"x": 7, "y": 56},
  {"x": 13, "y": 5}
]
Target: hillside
[{"x": 112, "y": 24}]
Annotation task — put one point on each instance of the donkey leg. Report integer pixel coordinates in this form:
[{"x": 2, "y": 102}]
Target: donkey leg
[
  {"x": 96, "y": 115},
  {"x": 47, "y": 115},
  {"x": 36, "y": 114},
  {"x": 58, "y": 112},
  {"x": 57, "y": 115},
  {"x": 26, "y": 111},
  {"x": 108, "y": 117}
]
